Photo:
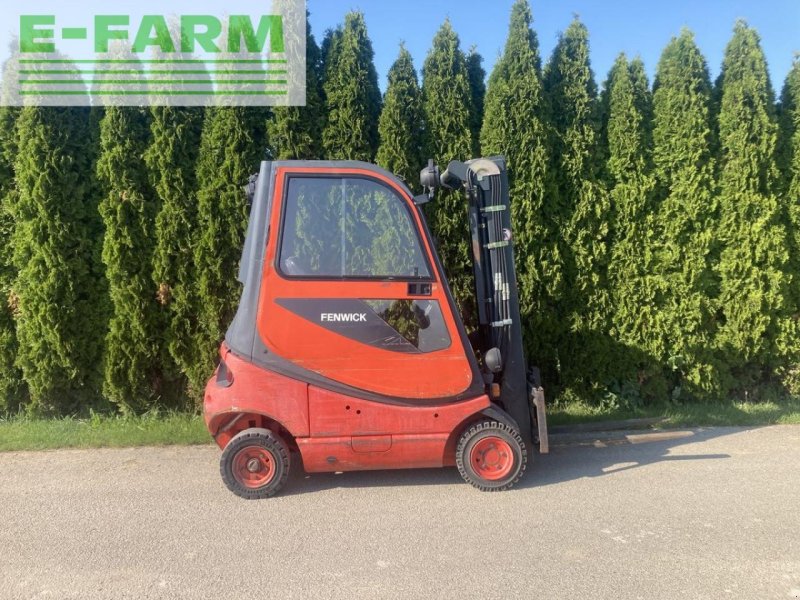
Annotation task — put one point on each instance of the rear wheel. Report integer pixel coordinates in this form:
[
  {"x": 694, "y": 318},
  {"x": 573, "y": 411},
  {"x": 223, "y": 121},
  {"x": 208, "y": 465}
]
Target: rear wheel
[
  {"x": 491, "y": 456},
  {"x": 255, "y": 464}
]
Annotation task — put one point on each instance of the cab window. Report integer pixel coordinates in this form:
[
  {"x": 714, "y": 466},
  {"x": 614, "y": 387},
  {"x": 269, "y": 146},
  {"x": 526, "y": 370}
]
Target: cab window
[{"x": 348, "y": 228}]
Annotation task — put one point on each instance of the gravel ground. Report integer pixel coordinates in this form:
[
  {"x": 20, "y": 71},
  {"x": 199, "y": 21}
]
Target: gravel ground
[{"x": 702, "y": 513}]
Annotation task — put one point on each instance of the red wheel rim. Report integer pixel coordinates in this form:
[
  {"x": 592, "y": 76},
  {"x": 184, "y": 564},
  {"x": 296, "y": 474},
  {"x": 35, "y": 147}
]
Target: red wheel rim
[
  {"x": 254, "y": 466},
  {"x": 492, "y": 458}
]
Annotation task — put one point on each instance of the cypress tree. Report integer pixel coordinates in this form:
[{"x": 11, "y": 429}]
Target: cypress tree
[
  {"x": 684, "y": 283},
  {"x": 586, "y": 216},
  {"x": 789, "y": 162},
  {"x": 753, "y": 264},
  {"x": 477, "y": 88},
  {"x": 400, "y": 125},
  {"x": 171, "y": 161},
  {"x": 643, "y": 101},
  {"x": 295, "y": 132},
  {"x": 789, "y": 135},
  {"x": 59, "y": 298},
  {"x": 352, "y": 96},
  {"x": 328, "y": 51},
  {"x": 12, "y": 389},
  {"x": 447, "y": 110},
  {"x": 327, "y": 57},
  {"x": 232, "y": 144},
  {"x": 133, "y": 377},
  {"x": 515, "y": 126},
  {"x": 627, "y": 103}
]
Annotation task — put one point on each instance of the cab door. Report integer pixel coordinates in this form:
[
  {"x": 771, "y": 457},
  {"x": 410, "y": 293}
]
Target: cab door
[{"x": 351, "y": 292}]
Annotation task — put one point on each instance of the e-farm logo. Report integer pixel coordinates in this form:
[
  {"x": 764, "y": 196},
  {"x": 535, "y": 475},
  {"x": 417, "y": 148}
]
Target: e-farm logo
[
  {"x": 179, "y": 59},
  {"x": 37, "y": 33}
]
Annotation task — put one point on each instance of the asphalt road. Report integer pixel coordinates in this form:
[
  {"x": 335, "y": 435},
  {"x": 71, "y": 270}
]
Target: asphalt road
[{"x": 701, "y": 514}]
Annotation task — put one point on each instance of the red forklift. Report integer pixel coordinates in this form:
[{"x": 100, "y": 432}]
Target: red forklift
[{"x": 347, "y": 351}]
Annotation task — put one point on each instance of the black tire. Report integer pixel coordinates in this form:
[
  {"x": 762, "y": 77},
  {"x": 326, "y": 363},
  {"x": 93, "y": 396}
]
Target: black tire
[
  {"x": 255, "y": 464},
  {"x": 491, "y": 456}
]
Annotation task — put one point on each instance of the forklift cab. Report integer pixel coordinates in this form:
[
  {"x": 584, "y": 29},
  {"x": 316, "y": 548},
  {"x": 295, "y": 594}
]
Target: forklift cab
[
  {"x": 349, "y": 288},
  {"x": 347, "y": 346}
]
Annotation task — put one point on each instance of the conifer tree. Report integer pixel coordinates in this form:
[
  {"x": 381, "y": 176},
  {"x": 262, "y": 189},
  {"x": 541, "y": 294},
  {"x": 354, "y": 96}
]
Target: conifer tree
[
  {"x": 295, "y": 132},
  {"x": 753, "y": 263},
  {"x": 789, "y": 134},
  {"x": 59, "y": 298},
  {"x": 789, "y": 163},
  {"x": 515, "y": 126},
  {"x": 12, "y": 389},
  {"x": 133, "y": 377},
  {"x": 233, "y": 142},
  {"x": 328, "y": 52},
  {"x": 447, "y": 110},
  {"x": 627, "y": 110},
  {"x": 477, "y": 88},
  {"x": 684, "y": 283},
  {"x": 400, "y": 125},
  {"x": 572, "y": 95},
  {"x": 171, "y": 161},
  {"x": 643, "y": 101},
  {"x": 352, "y": 96}
]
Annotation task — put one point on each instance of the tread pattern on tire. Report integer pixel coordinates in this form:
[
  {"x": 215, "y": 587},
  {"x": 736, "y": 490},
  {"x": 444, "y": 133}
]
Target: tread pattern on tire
[
  {"x": 267, "y": 439},
  {"x": 468, "y": 474}
]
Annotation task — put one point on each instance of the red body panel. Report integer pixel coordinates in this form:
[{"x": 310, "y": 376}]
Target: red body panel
[
  {"x": 333, "y": 415},
  {"x": 255, "y": 391},
  {"x": 404, "y": 452},
  {"x": 351, "y": 433},
  {"x": 335, "y": 432},
  {"x": 440, "y": 374}
]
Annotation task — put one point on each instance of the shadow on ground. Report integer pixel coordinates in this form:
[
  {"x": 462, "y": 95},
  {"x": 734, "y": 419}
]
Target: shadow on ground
[{"x": 570, "y": 458}]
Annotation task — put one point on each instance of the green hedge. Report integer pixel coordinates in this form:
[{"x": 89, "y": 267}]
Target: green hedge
[{"x": 657, "y": 228}]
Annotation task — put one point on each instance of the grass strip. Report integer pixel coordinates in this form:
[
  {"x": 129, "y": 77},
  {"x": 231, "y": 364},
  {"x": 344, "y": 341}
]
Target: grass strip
[
  {"x": 783, "y": 412},
  {"x": 24, "y": 433}
]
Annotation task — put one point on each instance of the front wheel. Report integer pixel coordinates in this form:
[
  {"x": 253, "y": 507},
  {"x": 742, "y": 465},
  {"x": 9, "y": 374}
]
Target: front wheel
[
  {"x": 491, "y": 456},
  {"x": 255, "y": 464}
]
